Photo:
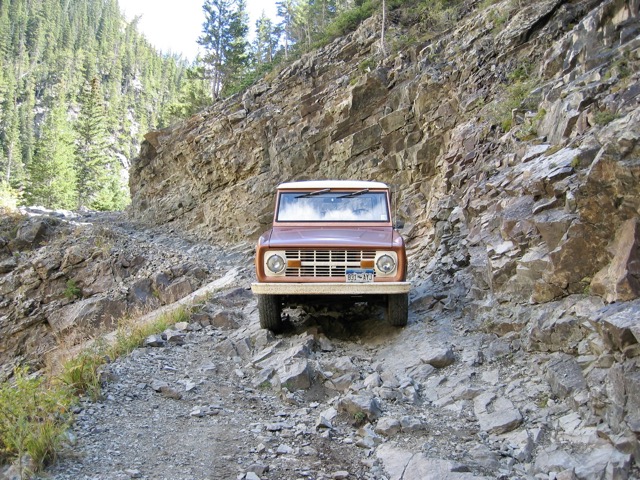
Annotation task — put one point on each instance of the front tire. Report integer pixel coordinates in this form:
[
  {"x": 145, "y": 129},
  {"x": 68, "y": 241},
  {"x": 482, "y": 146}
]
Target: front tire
[
  {"x": 397, "y": 313},
  {"x": 270, "y": 313}
]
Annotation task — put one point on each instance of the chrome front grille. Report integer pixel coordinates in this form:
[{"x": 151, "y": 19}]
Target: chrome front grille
[{"x": 326, "y": 263}]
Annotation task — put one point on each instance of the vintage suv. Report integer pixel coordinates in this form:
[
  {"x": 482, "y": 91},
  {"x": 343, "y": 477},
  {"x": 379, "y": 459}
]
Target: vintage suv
[{"x": 331, "y": 241}]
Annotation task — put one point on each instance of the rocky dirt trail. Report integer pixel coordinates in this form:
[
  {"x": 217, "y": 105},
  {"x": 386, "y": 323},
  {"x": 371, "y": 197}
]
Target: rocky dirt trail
[{"x": 339, "y": 395}]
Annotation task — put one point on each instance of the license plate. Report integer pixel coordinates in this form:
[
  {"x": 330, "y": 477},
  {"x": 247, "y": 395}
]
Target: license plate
[{"x": 359, "y": 275}]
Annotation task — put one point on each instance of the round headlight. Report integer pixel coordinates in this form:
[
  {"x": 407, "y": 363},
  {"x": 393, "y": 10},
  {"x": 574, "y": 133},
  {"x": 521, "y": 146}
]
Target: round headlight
[
  {"x": 386, "y": 264},
  {"x": 275, "y": 263}
]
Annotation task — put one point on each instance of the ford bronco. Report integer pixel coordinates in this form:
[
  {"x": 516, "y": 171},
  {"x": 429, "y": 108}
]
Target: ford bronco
[{"x": 331, "y": 241}]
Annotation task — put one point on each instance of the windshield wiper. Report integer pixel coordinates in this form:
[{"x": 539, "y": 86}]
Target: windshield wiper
[
  {"x": 311, "y": 194},
  {"x": 354, "y": 194}
]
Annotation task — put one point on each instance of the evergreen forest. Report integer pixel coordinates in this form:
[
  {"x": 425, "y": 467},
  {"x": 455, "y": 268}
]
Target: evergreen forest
[{"x": 79, "y": 86}]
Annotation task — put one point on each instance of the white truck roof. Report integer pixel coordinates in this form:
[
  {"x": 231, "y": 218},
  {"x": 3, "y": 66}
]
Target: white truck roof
[{"x": 320, "y": 184}]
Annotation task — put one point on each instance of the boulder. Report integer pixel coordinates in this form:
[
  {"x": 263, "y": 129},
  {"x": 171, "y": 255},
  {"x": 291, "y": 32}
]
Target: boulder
[{"x": 620, "y": 280}]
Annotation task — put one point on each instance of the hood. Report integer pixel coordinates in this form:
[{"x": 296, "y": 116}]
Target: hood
[{"x": 352, "y": 237}]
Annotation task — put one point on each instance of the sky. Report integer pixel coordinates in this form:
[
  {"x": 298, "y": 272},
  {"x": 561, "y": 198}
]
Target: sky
[{"x": 174, "y": 26}]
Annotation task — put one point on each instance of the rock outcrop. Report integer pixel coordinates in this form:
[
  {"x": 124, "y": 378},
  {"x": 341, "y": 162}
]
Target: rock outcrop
[{"x": 66, "y": 277}]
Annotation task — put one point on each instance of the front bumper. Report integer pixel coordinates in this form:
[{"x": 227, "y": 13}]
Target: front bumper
[{"x": 377, "y": 288}]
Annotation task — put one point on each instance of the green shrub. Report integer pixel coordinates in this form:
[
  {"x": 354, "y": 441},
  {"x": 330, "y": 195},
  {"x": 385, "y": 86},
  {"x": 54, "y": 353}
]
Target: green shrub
[
  {"x": 515, "y": 96},
  {"x": 348, "y": 21},
  {"x": 604, "y": 117},
  {"x": 33, "y": 418},
  {"x": 80, "y": 374},
  {"x": 9, "y": 197},
  {"x": 73, "y": 290},
  {"x": 130, "y": 335}
]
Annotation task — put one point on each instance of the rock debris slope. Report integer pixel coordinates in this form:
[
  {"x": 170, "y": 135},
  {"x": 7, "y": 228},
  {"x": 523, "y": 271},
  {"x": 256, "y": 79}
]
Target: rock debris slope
[{"x": 338, "y": 396}]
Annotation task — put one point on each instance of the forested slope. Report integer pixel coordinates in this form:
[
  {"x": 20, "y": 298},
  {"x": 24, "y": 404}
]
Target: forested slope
[{"x": 79, "y": 85}]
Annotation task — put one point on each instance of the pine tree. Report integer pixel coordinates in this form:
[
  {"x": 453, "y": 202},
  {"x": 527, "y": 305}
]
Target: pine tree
[
  {"x": 225, "y": 42},
  {"x": 237, "y": 53},
  {"x": 193, "y": 96},
  {"x": 215, "y": 40},
  {"x": 92, "y": 151},
  {"x": 266, "y": 40},
  {"x": 52, "y": 176},
  {"x": 286, "y": 11}
]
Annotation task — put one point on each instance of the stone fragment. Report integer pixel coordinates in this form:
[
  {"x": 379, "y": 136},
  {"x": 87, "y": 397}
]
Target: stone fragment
[
  {"x": 154, "y": 341},
  {"x": 143, "y": 292},
  {"x": 174, "y": 337},
  {"x": 550, "y": 333},
  {"x": 387, "y": 426},
  {"x": 439, "y": 357},
  {"x": 553, "y": 459},
  {"x": 8, "y": 265},
  {"x": 496, "y": 415},
  {"x": 263, "y": 378},
  {"x": 169, "y": 392},
  {"x": 341, "y": 383},
  {"x": 421, "y": 373},
  {"x": 372, "y": 380},
  {"x": 325, "y": 344},
  {"x": 325, "y": 418},
  {"x": 564, "y": 375},
  {"x": 251, "y": 476},
  {"x": 363, "y": 404},
  {"x": 278, "y": 426},
  {"x": 484, "y": 457},
  {"x": 296, "y": 375},
  {"x": 284, "y": 449},
  {"x": 343, "y": 365},
  {"x": 225, "y": 320},
  {"x": 603, "y": 461},
  {"x": 157, "y": 385},
  {"x": 262, "y": 338},
  {"x": 402, "y": 464},
  {"x": 88, "y": 313},
  {"x": 175, "y": 291},
  {"x": 619, "y": 324},
  {"x": 620, "y": 280},
  {"x": 181, "y": 326},
  {"x": 258, "y": 468},
  {"x": 340, "y": 475},
  {"x": 566, "y": 475},
  {"x": 411, "y": 424},
  {"x": 368, "y": 438},
  {"x": 205, "y": 410}
]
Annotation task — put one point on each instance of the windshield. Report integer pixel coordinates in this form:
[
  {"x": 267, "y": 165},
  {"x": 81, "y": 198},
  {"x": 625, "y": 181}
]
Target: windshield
[{"x": 328, "y": 206}]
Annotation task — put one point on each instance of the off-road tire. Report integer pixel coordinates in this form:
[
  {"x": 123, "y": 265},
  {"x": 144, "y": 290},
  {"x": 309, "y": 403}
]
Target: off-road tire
[
  {"x": 270, "y": 313},
  {"x": 397, "y": 313}
]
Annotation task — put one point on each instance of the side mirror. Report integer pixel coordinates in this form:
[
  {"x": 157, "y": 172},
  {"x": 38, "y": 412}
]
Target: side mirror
[{"x": 399, "y": 224}]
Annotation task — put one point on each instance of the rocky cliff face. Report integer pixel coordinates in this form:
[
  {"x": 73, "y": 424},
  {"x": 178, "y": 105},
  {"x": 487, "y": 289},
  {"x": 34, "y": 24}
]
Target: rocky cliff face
[
  {"x": 512, "y": 142},
  {"x": 537, "y": 213}
]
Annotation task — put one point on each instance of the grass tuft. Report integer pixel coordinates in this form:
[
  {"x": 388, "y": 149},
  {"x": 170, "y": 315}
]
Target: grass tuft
[{"x": 33, "y": 418}]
